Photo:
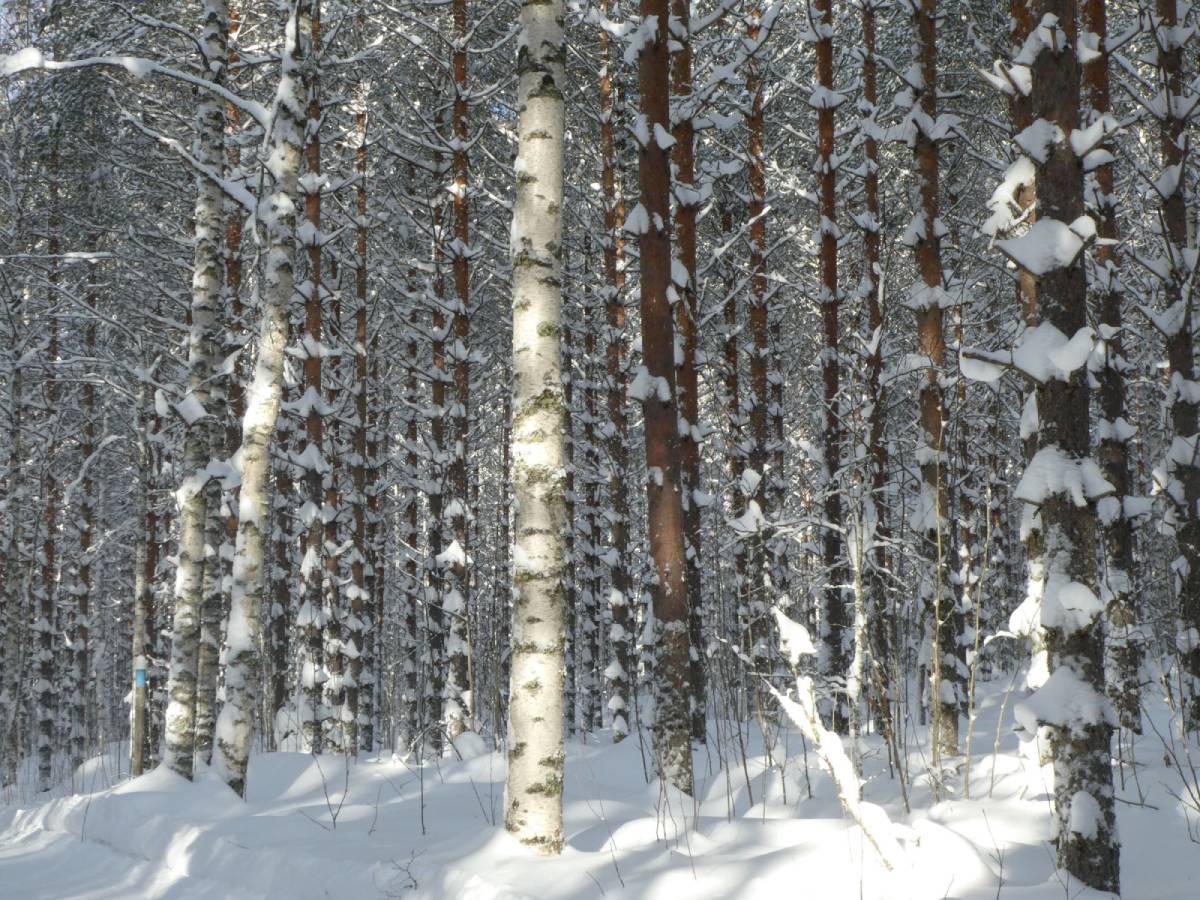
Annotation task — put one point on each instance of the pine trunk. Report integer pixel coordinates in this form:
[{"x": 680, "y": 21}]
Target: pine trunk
[
  {"x": 1073, "y": 629},
  {"x": 620, "y": 634},
  {"x": 456, "y": 599},
  {"x": 879, "y": 610},
  {"x": 834, "y": 661},
  {"x": 687, "y": 203},
  {"x": 1124, "y": 651},
  {"x": 927, "y": 301},
  {"x": 665, "y": 523}
]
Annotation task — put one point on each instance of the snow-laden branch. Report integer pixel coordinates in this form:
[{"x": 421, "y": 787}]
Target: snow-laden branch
[
  {"x": 87, "y": 464},
  {"x": 32, "y": 58},
  {"x": 872, "y": 819},
  {"x": 229, "y": 187},
  {"x": 1044, "y": 354}
]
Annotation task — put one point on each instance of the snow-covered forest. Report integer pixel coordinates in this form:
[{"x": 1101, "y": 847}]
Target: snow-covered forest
[{"x": 527, "y": 448}]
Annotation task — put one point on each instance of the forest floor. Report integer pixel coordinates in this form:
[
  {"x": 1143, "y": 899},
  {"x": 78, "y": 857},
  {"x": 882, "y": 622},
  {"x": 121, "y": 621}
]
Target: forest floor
[{"x": 385, "y": 828}]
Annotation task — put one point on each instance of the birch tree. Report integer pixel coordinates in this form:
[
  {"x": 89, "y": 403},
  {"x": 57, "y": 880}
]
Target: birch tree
[
  {"x": 192, "y": 494},
  {"x": 233, "y": 729},
  {"x": 535, "y": 726}
]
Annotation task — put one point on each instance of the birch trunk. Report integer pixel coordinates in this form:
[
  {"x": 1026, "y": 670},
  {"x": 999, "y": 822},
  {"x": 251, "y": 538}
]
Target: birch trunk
[
  {"x": 192, "y": 493},
  {"x": 234, "y": 726},
  {"x": 535, "y": 740}
]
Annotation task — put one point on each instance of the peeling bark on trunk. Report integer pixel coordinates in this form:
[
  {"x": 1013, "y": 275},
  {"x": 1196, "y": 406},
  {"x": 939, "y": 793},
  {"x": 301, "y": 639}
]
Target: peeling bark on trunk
[
  {"x": 535, "y": 738},
  {"x": 234, "y": 726},
  {"x": 194, "y": 493}
]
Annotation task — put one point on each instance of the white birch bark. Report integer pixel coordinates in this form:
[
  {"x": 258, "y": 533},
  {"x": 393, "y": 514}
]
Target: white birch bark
[
  {"x": 535, "y": 739},
  {"x": 206, "y": 294},
  {"x": 234, "y": 725}
]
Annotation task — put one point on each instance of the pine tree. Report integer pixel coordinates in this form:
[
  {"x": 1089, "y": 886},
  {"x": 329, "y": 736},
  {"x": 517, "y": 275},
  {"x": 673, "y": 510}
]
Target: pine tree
[
  {"x": 1070, "y": 613},
  {"x": 650, "y": 220}
]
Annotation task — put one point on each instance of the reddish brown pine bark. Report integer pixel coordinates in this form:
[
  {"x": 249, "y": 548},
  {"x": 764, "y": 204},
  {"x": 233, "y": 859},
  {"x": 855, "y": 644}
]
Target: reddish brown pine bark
[
  {"x": 945, "y": 619},
  {"x": 665, "y": 525},
  {"x": 314, "y": 422}
]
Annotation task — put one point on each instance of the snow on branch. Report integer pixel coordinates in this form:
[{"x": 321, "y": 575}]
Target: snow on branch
[
  {"x": 229, "y": 187},
  {"x": 1049, "y": 245},
  {"x": 872, "y": 819},
  {"x": 1044, "y": 354},
  {"x": 1052, "y": 472},
  {"x": 32, "y": 58}
]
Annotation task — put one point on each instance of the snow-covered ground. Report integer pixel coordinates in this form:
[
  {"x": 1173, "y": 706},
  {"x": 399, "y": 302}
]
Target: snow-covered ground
[{"x": 310, "y": 829}]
